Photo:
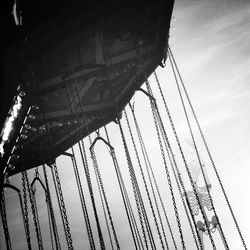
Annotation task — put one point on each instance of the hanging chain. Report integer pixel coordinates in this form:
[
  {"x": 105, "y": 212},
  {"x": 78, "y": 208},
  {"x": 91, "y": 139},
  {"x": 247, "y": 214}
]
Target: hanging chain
[
  {"x": 180, "y": 187},
  {"x": 126, "y": 201},
  {"x": 176, "y": 167},
  {"x": 86, "y": 168},
  {"x": 77, "y": 176},
  {"x": 62, "y": 207},
  {"x": 23, "y": 217},
  {"x": 91, "y": 193},
  {"x": 202, "y": 170},
  {"x": 4, "y": 220},
  {"x": 46, "y": 133},
  {"x": 26, "y": 215},
  {"x": 82, "y": 200},
  {"x": 144, "y": 181},
  {"x": 98, "y": 174},
  {"x": 145, "y": 217},
  {"x": 130, "y": 210},
  {"x": 173, "y": 162},
  {"x": 83, "y": 203},
  {"x": 33, "y": 209},
  {"x": 153, "y": 108},
  {"x": 36, "y": 211},
  {"x": 137, "y": 194},
  {"x": 50, "y": 223},
  {"x": 36, "y": 172},
  {"x": 149, "y": 167},
  {"x": 186, "y": 166},
  {"x": 104, "y": 212},
  {"x": 50, "y": 207},
  {"x": 208, "y": 151},
  {"x": 134, "y": 188}
]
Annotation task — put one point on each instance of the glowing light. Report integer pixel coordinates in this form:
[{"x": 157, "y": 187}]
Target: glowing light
[
  {"x": 34, "y": 107},
  {"x": 9, "y": 123},
  {"x": 22, "y": 93},
  {"x": 1, "y": 148},
  {"x": 32, "y": 117},
  {"x": 33, "y": 129},
  {"x": 15, "y": 156},
  {"x": 27, "y": 126},
  {"x": 11, "y": 167},
  {"x": 23, "y": 136},
  {"x": 16, "y": 12}
]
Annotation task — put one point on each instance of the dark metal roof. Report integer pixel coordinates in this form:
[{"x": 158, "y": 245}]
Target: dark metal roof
[{"x": 81, "y": 64}]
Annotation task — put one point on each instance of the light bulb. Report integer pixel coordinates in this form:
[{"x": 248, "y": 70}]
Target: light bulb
[
  {"x": 33, "y": 129},
  {"x": 23, "y": 136},
  {"x": 34, "y": 107},
  {"x": 11, "y": 167},
  {"x": 15, "y": 156},
  {"x": 32, "y": 117},
  {"x": 27, "y": 126},
  {"x": 22, "y": 93}
]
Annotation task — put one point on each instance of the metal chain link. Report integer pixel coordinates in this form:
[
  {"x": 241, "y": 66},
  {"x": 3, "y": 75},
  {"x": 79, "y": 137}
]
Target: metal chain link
[
  {"x": 62, "y": 207},
  {"x": 91, "y": 193},
  {"x": 33, "y": 209},
  {"x": 26, "y": 215},
  {"x": 180, "y": 182},
  {"x": 180, "y": 187},
  {"x": 50, "y": 223},
  {"x": 36, "y": 172},
  {"x": 77, "y": 176},
  {"x": 126, "y": 201},
  {"x": 154, "y": 113},
  {"x": 144, "y": 181},
  {"x": 134, "y": 223},
  {"x": 36, "y": 212},
  {"x": 208, "y": 151},
  {"x": 23, "y": 216},
  {"x": 98, "y": 173},
  {"x": 135, "y": 194},
  {"x": 50, "y": 207},
  {"x": 83, "y": 202},
  {"x": 149, "y": 167},
  {"x": 176, "y": 171},
  {"x": 138, "y": 198},
  {"x": 4, "y": 220},
  {"x": 130, "y": 211},
  {"x": 104, "y": 210},
  {"x": 145, "y": 217},
  {"x": 186, "y": 166},
  {"x": 84, "y": 161}
]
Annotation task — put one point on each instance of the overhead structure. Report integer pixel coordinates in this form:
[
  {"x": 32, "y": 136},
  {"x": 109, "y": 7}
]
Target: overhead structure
[
  {"x": 76, "y": 68},
  {"x": 97, "y": 52},
  {"x": 145, "y": 204}
]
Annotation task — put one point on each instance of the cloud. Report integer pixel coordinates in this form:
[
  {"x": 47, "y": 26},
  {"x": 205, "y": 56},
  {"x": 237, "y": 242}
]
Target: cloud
[{"x": 215, "y": 32}]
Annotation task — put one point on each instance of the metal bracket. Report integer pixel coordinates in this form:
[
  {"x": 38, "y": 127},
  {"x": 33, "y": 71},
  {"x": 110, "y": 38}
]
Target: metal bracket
[
  {"x": 12, "y": 187},
  {"x": 147, "y": 94},
  {"x": 67, "y": 154},
  {"x": 39, "y": 180},
  {"x": 100, "y": 138}
]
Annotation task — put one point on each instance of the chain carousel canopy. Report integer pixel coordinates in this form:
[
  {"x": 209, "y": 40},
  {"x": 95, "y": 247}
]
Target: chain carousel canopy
[{"x": 75, "y": 66}]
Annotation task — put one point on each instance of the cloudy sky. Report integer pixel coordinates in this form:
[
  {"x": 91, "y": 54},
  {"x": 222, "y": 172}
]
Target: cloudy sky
[{"x": 210, "y": 41}]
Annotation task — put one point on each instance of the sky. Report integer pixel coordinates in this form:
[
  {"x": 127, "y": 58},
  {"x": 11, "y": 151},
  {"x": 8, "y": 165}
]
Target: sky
[{"x": 210, "y": 42}]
